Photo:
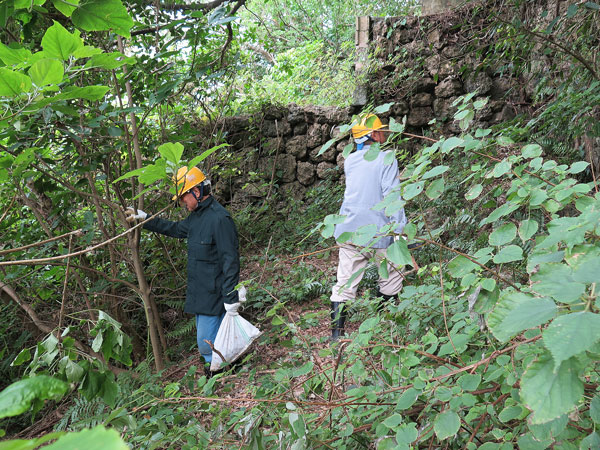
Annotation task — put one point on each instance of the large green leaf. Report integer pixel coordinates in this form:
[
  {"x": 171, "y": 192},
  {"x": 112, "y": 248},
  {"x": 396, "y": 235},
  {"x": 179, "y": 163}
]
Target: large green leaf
[
  {"x": 585, "y": 265},
  {"x": 13, "y": 83},
  {"x": 516, "y": 312},
  {"x": 100, "y": 15},
  {"x": 66, "y": 6},
  {"x": 474, "y": 192},
  {"x": 98, "y": 438},
  {"x": 109, "y": 60},
  {"x": 46, "y": 71},
  {"x": 19, "y": 396},
  {"x": 435, "y": 189},
  {"x": 556, "y": 280},
  {"x": 460, "y": 266},
  {"x": 171, "y": 151},
  {"x": 446, "y": 424},
  {"x": 10, "y": 56},
  {"x": 551, "y": 393},
  {"x": 398, "y": 253},
  {"x": 438, "y": 170},
  {"x": 503, "y": 234},
  {"x": 571, "y": 334},
  {"x": 509, "y": 254},
  {"x": 502, "y": 211},
  {"x": 527, "y": 228},
  {"x": 451, "y": 143},
  {"x": 412, "y": 190},
  {"x": 59, "y": 43},
  {"x": 70, "y": 93}
]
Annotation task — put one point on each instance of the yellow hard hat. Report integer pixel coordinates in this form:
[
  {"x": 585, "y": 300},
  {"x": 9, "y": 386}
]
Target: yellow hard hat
[
  {"x": 368, "y": 124},
  {"x": 186, "y": 179}
]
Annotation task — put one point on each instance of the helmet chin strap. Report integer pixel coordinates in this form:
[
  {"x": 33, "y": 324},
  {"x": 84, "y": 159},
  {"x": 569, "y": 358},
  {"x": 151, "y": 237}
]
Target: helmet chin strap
[{"x": 198, "y": 200}]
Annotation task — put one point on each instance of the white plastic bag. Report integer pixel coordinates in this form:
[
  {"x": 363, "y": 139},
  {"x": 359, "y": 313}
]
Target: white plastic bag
[{"x": 235, "y": 335}]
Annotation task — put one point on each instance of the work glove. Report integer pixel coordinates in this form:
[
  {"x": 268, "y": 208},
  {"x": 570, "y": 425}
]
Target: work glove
[{"x": 131, "y": 215}]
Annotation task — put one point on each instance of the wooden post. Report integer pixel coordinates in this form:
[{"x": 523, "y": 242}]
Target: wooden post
[{"x": 362, "y": 39}]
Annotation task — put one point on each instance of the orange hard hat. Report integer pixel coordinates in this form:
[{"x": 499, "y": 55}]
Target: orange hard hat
[{"x": 186, "y": 179}]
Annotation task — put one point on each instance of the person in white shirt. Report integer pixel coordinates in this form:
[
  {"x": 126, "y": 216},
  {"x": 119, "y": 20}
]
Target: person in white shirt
[{"x": 367, "y": 183}]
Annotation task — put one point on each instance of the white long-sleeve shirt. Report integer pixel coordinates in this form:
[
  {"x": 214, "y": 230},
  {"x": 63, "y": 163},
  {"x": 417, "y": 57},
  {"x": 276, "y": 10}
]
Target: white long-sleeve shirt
[{"x": 367, "y": 183}]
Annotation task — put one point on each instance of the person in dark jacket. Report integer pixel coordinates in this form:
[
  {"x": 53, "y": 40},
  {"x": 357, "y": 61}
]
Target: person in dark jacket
[{"x": 213, "y": 265}]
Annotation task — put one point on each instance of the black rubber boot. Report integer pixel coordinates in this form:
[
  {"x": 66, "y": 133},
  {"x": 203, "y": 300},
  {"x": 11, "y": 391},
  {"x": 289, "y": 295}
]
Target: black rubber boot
[
  {"x": 338, "y": 319},
  {"x": 382, "y": 303}
]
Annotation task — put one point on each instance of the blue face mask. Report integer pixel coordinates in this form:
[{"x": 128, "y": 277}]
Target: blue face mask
[{"x": 361, "y": 145}]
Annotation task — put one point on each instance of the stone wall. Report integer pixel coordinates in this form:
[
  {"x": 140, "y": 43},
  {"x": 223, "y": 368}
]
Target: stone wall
[{"x": 281, "y": 144}]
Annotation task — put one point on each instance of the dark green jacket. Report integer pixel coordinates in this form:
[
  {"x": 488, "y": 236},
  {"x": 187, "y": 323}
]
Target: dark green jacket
[{"x": 213, "y": 268}]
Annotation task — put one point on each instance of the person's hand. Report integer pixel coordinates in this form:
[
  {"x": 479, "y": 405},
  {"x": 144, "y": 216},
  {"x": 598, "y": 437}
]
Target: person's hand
[
  {"x": 232, "y": 308},
  {"x": 131, "y": 215}
]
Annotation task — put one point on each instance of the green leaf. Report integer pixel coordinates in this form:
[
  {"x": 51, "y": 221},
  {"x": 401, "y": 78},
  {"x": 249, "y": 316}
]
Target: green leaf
[
  {"x": 590, "y": 442},
  {"x": 474, "y": 192},
  {"x": 373, "y": 152},
  {"x": 516, "y": 312},
  {"x": 398, "y": 253},
  {"x": 347, "y": 150},
  {"x": 435, "y": 172},
  {"x": 363, "y": 235},
  {"x": 451, "y": 144},
  {"x": 412, "y": 190},
  {"x": 527, "y": 229},
  {"x": 502, "y": 211},
  {"x": 19, "y": 396},
  {"x": 407, "y": 399},
  {"x": 572, "y": 10},
  {"x": 571, "y": 334},
  {"x": 73, "y": 371},
  {"x": 59, "y": 43},
  {"x": 171, "y": 151},
  {"x": 469, "y": 382},
  {"x": 46, "y": 71},
  {"x": 501, "y": 168},
  {"x": 578, "y": 166},
  {"x": 503, "y": 234},
  {"x": 100, "y": 15},
  {"x": 326, "y": 146},
  {"x": 595, "y": 408},
  {"x": 66, "y": 6},
  {"x": 13, "y": 83},
  {"x": 531, "y": 151},
  {"x": 478, "y": 104},
  {"x": 23, "y": 356},
  {"x": 383, "y": 108},
  {"x": 395, "y": 127},
  {"x": 435, "y": 189},
  {"x": 30, "y": 444},
  {"x": 98, "y": 438},
  {"x": 303, "y": 370},
  {"x": 551, "y": 393},
  {"x": 205, "y": 154},
  {"x": 509, "y": 254},
  {"x": 11, "y": 56},
  {"x": 510, "y": 413},
  {"x": 549, "y": 429},
  {"x": 556, "y": 280},
  {"x": 446, "y": 424},
  {"x": 460, "y": 266},
  {"x": 393, "y": 421},
  {"x": 109, "y": 61}
]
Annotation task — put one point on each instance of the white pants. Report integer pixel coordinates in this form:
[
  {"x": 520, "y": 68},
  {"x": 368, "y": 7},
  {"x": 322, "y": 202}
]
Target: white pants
[{"x": 352, "y": 259}]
